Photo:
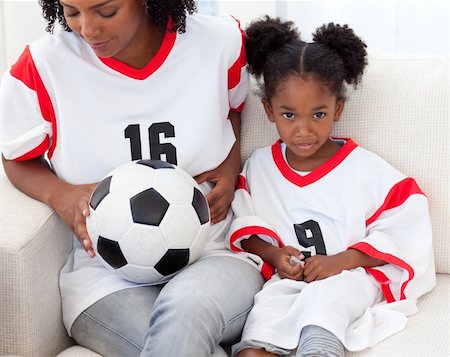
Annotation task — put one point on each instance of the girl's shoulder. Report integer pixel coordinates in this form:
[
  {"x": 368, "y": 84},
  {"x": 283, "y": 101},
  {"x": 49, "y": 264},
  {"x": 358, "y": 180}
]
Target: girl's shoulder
[{"x": 373, "y": 165}]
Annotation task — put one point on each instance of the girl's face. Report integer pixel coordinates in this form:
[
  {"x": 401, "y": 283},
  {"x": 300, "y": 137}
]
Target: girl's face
[
  {"x": 304, "y": 111},
  {"x": 113, "y": 28}
]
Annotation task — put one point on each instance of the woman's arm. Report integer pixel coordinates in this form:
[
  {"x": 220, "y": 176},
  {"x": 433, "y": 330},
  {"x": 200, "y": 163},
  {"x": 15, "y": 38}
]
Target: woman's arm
[
  {"x": 224, "y": 177},
  {"x": 36, "y": 179}
]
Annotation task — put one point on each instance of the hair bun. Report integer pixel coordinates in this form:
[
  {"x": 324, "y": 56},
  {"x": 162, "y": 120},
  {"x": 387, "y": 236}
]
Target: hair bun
[
  {"x": 265, "y": 36},
  {"x": 343, "y": 41}
]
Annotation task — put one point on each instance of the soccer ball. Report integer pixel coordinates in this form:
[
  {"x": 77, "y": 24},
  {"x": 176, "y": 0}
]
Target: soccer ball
[{"x": 148, "y": 220}]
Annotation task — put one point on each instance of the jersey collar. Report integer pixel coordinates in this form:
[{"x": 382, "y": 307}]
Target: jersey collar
[
  {"x": 316, "y": 174},
  {"x": 152, "y": 66}
]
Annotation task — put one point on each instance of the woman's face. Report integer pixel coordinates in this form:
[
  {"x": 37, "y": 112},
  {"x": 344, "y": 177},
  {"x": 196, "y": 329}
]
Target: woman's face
[{"x": 113, "y": 28}]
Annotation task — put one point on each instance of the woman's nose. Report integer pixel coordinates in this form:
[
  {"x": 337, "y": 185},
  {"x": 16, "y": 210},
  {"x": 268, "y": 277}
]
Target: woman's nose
[{"x": 89, "y": 28}]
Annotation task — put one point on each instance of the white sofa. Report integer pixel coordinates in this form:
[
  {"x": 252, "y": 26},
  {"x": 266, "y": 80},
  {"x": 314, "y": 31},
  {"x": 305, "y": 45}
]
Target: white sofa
[{"x": 400, "y": 111}]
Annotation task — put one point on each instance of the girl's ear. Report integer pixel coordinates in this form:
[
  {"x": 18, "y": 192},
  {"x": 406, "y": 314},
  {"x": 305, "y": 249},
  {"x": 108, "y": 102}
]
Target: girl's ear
[
  {"x": 268, "y": 109},
  {"x": 340, "y": 103}
]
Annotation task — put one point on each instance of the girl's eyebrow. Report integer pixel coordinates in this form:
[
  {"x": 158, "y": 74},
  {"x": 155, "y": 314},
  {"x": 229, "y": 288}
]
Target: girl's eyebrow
[
  {"x": 91, "y": 8},
  {"x": 320, "y": 107}
]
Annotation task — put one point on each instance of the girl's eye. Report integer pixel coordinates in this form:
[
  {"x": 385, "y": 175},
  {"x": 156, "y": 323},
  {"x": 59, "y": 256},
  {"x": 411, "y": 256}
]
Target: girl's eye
[
  {"x": 318, "y": 115},
  {"x": 288, "y": 116}
]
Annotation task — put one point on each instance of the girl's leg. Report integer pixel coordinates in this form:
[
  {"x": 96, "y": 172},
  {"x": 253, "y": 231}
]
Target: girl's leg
[
  {"x": 203, "y": 305},
  {"x": 319, "y": 342},
  {"x": 249, "y": 348},
  {"x": 251, "y": 352}
]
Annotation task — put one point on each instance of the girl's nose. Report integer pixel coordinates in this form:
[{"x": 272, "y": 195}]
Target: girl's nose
[{"x": 302, "y": 127}]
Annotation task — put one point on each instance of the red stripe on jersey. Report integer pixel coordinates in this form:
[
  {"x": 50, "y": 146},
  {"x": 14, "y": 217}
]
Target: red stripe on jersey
[
  {"x": 234, "y": 72},
  {"x": 384, "y": 282},
  {"x": 152, "y": 66},
  {"x": 253, "y": 230},
  {"x": 238, "y": 109},
  {"x": 267, "y": 270},
  {"x": 36, "y": 152},
  {"x": 398, "y": 194},
  {"x": 25, "y": 71},
  {"x": 316, "y": 174},
  {"x": 241, "y": 183},
  {"x": 388, "y": 258}
]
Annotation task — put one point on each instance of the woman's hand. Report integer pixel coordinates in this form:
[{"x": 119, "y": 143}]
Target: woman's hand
[
  {"x": 224, "y": 177},
  {"x": 72, "y": 205},
  {"x": 222, "y": 193},
  {"x": 36, "y": 179},
  {"x": 283, "y": 263}
]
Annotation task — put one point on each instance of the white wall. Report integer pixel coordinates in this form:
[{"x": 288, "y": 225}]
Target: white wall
[
  {"x": 2, "y": 40},
  {"x": 248, "y": 10},
  {"x": 20, "y": 23},
  {"x": 421, "y": 26},
  {"x": 401, "y": 26}
]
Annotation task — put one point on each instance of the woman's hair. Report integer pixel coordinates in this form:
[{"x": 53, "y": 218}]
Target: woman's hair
[
  {"x": 275, "y": 51},
  {"x": 159, "y": 11}
]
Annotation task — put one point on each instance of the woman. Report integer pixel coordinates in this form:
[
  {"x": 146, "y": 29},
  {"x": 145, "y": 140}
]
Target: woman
[{"x": 130, "y": 79}]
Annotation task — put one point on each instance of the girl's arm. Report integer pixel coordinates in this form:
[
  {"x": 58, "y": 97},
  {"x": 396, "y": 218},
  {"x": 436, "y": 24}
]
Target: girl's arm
[
  {"x": 224, "y": 177},
  {"x": 320, "y": 267},
  {"x": 36, "y": 179}
]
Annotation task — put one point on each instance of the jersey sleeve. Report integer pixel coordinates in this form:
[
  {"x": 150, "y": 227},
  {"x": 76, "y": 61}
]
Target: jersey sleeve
[
  {"x": 246, "y": 223},
  {"x": 25, "y": 112},
  {"x": 238, "y": 77},
  {"x": 399, "y": 233}
]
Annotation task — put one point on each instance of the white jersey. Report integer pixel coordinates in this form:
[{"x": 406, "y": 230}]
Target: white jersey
[
  {"x": 354, "y": 200},
  {"x": 90, "y": 115}
]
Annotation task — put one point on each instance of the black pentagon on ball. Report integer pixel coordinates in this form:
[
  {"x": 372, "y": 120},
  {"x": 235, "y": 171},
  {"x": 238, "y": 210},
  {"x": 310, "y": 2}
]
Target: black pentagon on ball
[
  {"x": 200, "y": 206},
  {"x": 156, "y": 164},
  {"x": 100, "y": 192},
  {"x": 173, "y": 261},
  {"x": 148, "y": 207},
  {"x": 110, "y": 251}
]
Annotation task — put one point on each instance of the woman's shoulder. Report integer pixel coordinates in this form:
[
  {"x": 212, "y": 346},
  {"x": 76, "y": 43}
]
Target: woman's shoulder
[
  {"x": 215, "y": 27},
  {"x": 59, "y": 46}
]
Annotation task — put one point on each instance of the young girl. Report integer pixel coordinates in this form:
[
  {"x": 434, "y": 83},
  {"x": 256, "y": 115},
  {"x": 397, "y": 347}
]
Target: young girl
[
  {"x": 124, "y": 80},
  {"x": 343, "y": 229}
]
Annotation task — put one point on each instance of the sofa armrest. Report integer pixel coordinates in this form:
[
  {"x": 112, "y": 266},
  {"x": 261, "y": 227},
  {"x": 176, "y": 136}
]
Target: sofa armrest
[{"x": 34, "y": 245}]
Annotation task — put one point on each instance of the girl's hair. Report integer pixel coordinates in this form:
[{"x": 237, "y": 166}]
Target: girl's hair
[
  {"x": 159, "y": 11},
  {"x": 275, "y": 51}
]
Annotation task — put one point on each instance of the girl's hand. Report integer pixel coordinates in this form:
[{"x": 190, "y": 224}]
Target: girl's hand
[
  {"x": 220, "y": 197},
  {"x": 319, "y": 267},
  {"x": 283, "y": 263},
  {"x": 72, "y": 205}
]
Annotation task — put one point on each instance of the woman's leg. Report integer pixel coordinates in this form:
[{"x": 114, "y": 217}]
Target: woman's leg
[
  {"x": 116, "y": 324},
  {"x": 205, "y": 304}
]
